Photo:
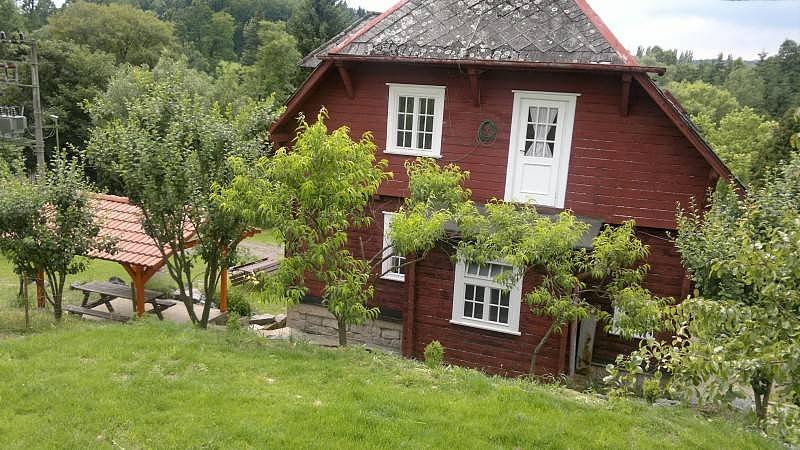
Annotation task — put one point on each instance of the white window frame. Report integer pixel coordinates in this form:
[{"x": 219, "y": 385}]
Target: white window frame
[
  {"x": 616, "y": 331},
  {"x": 415, "y": 90},
  {"x": 564, "y": 141},
  {"x": 514, "y": 302},
  {"x": 386, "y": 265}
]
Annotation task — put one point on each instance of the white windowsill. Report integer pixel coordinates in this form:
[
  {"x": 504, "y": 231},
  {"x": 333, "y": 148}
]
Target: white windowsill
[
  {"x": 394, "y": 277},
  {"x": 485, "y": 326},
  {"x": 411, "y": 152}
]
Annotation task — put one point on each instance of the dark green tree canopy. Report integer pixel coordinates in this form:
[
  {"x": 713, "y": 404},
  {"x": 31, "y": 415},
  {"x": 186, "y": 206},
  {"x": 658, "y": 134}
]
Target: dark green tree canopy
[{"x": 315, "y": 21}]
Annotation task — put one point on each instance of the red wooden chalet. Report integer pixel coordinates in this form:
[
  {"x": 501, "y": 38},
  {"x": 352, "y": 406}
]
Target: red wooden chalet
[{"x": 540, "y": 103}]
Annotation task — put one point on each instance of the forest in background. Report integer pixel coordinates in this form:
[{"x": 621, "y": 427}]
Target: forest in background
[{"x": 243, "y": 55}]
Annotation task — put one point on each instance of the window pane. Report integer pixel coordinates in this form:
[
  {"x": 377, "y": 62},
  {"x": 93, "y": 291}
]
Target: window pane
[
  {"x": 504, "y": 298},
  {"x": 478, "y": 312},
  {"x": 468, "y": 309},
  {"x": 493, "y": 313},
  {"x": 469, "y": 292},
  {"x": 484, "y": 272},
  {"x": 497, "y": 269},
  {"x": 479, "y": 291},
  {"x": 495, "y": 296},
  {"x": 428, "y": 142},
  {"x": 472, "y": 268},
  {"x": 503, "y": 315}
]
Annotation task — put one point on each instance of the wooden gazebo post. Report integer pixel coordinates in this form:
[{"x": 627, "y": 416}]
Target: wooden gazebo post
[
  {"x": 139, "y": 277},
  {"x": 223, "y": 290}
]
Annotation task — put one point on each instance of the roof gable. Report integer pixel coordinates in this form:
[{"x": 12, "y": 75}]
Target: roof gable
[{"x": 548, "y": 31}]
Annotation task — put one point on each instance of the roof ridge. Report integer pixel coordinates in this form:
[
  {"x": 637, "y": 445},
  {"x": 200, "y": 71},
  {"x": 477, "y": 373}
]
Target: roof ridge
[{"x": 111, "y": 198}]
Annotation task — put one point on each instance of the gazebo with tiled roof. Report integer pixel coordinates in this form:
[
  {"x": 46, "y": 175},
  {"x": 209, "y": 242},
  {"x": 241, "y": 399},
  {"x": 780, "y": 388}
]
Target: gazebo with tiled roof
[{"x": 137, "y": 252}]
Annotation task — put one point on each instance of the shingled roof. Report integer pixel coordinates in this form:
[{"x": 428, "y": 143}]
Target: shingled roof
[
  {"x": 538, "y": 31},
  {"x": 120, "y": 220}
]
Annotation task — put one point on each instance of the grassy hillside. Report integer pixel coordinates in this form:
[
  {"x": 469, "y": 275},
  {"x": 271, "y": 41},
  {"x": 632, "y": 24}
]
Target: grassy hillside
[{"x": 160, "y": 385}]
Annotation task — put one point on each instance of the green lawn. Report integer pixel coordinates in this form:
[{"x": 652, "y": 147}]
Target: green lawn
[{"x": 161, "y": 385}]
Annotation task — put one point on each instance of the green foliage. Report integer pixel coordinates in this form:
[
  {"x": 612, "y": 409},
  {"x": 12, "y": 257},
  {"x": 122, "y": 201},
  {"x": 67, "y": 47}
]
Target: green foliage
[
  {"x": 699, "y": 98},
  {"x": 651, "y": 388},
  {"x": 11, "y": 19},
  {"x": 275, "y": 68},
  {"x": 36, "y": 12},
  {"x": 434, "y": 354},
  {"x": 530, "y": 242},
  {"x": 239, "y": 304},
  {"x": 207, "y": 36},
  {"x": 315, "y": 21},
  {"x": 131, "y": 35},
  {"x": 747, "y": 86},
  {"x": 312, "y": 196},
  {"x": 779, "y": 150},
  {"x": 781, "y": 72},
  {"x": 739, "y": 138},
  {"x": 741, "y": 328},
  {"x": 47, "y": 224},
  {"x": 168, "y": 148}
]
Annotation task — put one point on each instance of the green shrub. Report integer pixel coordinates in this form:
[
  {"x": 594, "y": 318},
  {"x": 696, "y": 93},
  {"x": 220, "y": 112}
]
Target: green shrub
[
  {"x": 434, "y": 354},
  {"x": 239, "y": 304},
  {"x": 651, "y": 388}
]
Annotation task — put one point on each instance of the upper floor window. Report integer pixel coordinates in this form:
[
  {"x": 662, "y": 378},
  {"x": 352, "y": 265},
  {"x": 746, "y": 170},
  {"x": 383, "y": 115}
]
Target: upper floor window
[
  {"x": 393, "y": 267},
  {"x": 480, "y": 301},
  {"x": 414, "y": 124}
]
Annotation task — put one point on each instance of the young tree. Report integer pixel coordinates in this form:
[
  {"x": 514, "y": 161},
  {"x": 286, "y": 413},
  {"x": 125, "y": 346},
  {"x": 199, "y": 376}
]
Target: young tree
[
  {"x": 740, "y": 330},
  {"x": 169, "y": 149},
  {"x": 700, "y": 98},
  {"x": 47, "y": 224},
  {"x": 11, "y": 19},
  {"x": 311, "y": 196},
  {"x": 571, "y": 277}
]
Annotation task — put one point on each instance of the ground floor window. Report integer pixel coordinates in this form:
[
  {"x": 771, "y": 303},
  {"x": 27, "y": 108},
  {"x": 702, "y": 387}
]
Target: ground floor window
[
  {"x": 393, "y": 267},
  {"x": 480, "y": 301}
]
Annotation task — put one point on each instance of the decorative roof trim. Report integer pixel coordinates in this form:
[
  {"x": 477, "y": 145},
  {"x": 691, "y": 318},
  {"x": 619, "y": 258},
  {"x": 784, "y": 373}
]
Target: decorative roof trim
[
  {"x": 627, "y": 58},
  {"x": 366, "y": 28},
  {"x": 675, "y": 113}
]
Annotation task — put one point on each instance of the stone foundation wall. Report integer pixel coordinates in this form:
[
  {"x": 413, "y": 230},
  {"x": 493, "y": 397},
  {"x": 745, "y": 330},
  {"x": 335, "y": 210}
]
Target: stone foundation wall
[{"x": 314, "y": 319}]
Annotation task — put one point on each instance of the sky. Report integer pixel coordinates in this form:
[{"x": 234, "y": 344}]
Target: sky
[{"x": 707, "y": 27}]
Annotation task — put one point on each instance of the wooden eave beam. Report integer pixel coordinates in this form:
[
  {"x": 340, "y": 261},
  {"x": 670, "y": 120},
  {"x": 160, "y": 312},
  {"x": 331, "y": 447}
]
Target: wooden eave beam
[
  {"x": 344, "y": 74},
  {"x": 474, "y": 85},
  {"x": 625, "y": 100}
]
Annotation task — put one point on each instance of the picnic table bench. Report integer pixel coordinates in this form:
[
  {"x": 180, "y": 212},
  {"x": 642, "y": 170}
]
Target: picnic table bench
[{"x": 108, "y": 291}]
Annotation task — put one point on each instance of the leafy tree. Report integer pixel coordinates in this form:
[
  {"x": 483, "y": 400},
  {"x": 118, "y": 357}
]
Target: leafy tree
[
  {"x": 738, "y": 139},
  {"x": 779, "y": 150},
  {"x": 131, "y": 35},
  {"x": 47, "y": 224},
  {"x": 700, "y": 98},
  {"x": 36, "y": 12},
  {"x": 747, "y": 86},
  {"x": 275, "y": 68},
  {"x": 315, "y": 21},
  {"x": 741, "y": 327},
  {"x": 169, "y": 150},
  {"x": 571, "y": 277},
  {"x": 781, "y": 73},
  {"x": 312, "y": 196},
  {"x": 207, "y": 35},
  {"x": 11, "y": 19}
]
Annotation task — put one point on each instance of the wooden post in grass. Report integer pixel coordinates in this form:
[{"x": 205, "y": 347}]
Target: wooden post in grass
[{"x": 40, "y": 295}]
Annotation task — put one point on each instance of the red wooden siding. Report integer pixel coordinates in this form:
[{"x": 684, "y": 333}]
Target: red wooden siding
[
  {"x": 638, "y": 166},
  {"x": 490, "y": 351}
]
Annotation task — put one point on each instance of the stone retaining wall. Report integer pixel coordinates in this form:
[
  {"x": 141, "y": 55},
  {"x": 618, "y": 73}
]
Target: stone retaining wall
[{"x": 314, "y": 319}]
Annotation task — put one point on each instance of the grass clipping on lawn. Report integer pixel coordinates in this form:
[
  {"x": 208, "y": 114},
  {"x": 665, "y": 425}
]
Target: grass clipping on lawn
[{"x": 162, "y": 385}]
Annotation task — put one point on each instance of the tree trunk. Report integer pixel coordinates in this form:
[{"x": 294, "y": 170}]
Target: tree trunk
[
  {"x": 539, "y": 348},
  {"x": 342, "y": 331},
  {"x": 762, "y": 387},
  {"x": 25, "y": 299}
]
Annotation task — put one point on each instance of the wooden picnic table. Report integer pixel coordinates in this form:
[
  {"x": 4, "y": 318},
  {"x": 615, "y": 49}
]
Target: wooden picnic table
[{"x": 108, "y": 291}]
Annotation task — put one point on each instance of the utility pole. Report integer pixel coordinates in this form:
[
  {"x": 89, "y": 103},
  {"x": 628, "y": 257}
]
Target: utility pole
[
  {"x": 33, "y": 60},
  {"x": 37, "y": 110}
]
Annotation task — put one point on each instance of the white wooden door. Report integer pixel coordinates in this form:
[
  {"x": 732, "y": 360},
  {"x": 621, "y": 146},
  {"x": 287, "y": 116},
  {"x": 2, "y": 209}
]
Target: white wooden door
[{"x": 539, "y": 149}]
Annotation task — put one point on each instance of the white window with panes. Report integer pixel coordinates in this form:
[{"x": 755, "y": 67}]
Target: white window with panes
[
  {"x": 480, "y": 301},
  {"x": 414, "y": 123},
  {"x": 393, "y": 267}
]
